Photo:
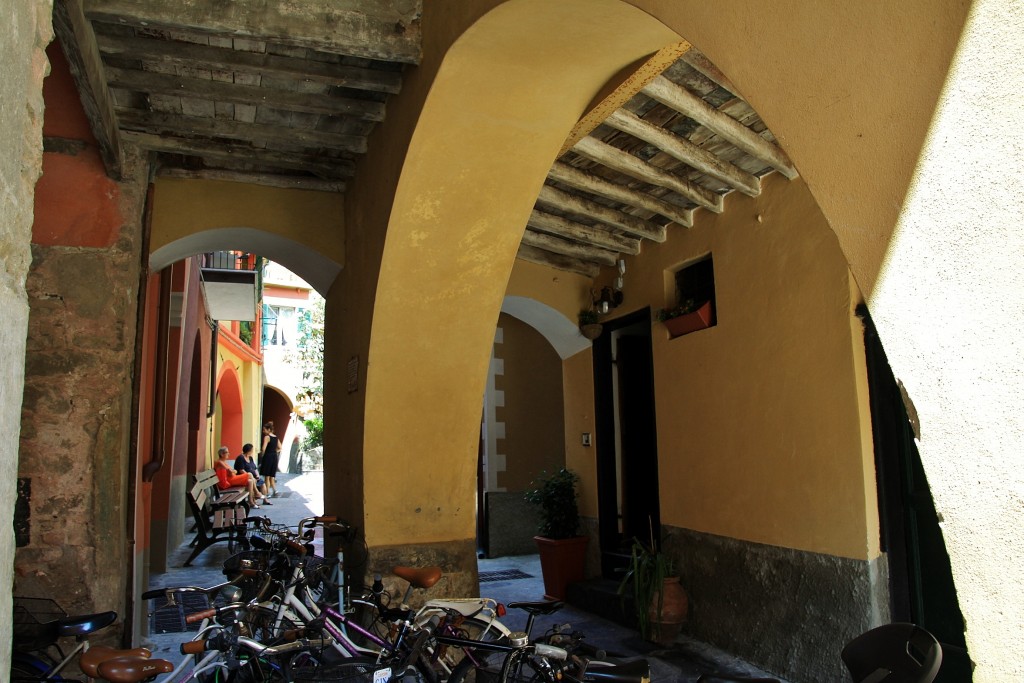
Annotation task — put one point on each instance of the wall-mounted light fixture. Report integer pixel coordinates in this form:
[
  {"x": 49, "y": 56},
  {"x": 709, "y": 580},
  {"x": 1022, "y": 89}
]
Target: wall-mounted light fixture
[{"x": 609, "y": 297}]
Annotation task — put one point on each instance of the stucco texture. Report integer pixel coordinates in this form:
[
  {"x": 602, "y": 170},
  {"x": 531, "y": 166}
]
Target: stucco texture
[{"x": 23, "y": 65}]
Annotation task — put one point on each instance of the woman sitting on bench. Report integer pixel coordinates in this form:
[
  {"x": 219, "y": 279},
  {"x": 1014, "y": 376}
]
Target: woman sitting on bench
[{"x": 226, "y": 477}]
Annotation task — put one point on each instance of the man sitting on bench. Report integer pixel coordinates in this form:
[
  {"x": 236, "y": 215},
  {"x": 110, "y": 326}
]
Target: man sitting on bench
[{"x": 226, "y": 477}]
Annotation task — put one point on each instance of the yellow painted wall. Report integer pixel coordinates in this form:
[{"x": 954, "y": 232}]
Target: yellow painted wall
[
  {"x": 578, "y": 389},
  {"x": 760, "y": 418},
  {"x": 567, "y": 293},
  {"x": 763, "y": 425}
]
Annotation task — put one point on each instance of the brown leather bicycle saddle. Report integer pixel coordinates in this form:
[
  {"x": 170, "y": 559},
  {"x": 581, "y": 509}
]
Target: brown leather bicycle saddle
[
  {"x": 133, "y": 669},
  {"x": 96, "y": 655},
  {"x": 423, "y": 577}
]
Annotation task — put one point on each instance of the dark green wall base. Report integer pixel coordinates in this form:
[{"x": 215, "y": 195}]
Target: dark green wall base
[{"x": 788, "y": 611}]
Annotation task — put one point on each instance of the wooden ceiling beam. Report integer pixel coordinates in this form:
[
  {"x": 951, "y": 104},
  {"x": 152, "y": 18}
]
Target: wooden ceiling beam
[
  {"x": 219, "y": 91},
  {"x": 621, "y": 92},
  {"x": 219, "y": 151},
  {"x": 362, "y": 28},
  {"x": 626, "y": 163},
  {"x": 598, "y": 237},
  {"x": 265, "y": 179},
  {"x": 685, "y": 151},
  {"x": 191, "y": 56},
  {"x": 160, "y": 123},
  {"x": 688, "y": 104},
  {"x": 704, "y": 66},
  {"x": 588, "y": 182},
  {"x": 558, "y": 261},
  {"x": 570, "y": 203},
  {"x": 571, "y": 248},
  {"x": 78, "y": 43}
]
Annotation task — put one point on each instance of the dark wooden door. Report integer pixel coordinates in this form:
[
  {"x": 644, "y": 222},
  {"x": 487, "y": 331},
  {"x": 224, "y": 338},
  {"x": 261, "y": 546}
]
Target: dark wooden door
[{"x": 627, "y": 457}]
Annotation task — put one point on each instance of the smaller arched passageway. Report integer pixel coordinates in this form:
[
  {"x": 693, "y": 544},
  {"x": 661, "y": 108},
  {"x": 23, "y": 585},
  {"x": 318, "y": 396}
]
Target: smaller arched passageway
[
  {"x": 228, "y": 411},
  {"x": 302, "y": 230}
]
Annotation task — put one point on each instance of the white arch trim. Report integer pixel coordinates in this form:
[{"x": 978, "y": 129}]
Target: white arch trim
[
  {"x": 312, "y": 266},
  {"x": 562, "y": 333}
]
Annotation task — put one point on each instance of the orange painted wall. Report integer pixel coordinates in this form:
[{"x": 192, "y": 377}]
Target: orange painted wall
[{"x": 75, "y": 202}]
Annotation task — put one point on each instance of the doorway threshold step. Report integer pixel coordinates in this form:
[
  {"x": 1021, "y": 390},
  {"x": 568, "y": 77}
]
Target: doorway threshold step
[{"x": 601, "y": 598}]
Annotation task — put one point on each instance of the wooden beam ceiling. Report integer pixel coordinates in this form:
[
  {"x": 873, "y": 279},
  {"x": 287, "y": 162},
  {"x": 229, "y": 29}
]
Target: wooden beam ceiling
[{"x": 285, "y": 94}]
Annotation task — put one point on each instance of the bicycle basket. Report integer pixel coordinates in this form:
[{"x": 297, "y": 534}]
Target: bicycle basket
[
  {"x": 35, "y": 623},
  {"x": 263, "y": 560}
]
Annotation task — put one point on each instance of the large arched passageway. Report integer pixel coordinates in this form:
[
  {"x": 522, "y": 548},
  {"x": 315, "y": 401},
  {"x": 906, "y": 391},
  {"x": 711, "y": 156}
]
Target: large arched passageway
[{"x": 444, "y": 200}]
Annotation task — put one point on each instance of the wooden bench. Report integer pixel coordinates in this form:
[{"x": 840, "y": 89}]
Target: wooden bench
[{"x": 219, "y": 515}]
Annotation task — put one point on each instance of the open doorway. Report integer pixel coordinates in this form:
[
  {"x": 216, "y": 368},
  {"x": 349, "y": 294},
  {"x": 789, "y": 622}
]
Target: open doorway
[{"x": 627, "y": 452}]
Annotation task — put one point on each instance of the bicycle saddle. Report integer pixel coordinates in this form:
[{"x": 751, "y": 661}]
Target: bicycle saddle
[
  {"x": 133, "y": 669},
  {"x": 86, "y": 623},
  {"x": 638, "y": 671},
  {"x": 94, "y": 656},
  {"x": 418, "y": 578},
  {"x": 542, "y": 607}
]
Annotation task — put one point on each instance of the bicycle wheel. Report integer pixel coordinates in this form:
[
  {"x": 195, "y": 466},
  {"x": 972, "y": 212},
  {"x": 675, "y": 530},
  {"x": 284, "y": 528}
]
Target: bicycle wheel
[
  {"x": 482, "y": 670},
  {"x": 25, "y": 671},
  {"x": 259, "y": 624},
  {"x": 447, "y": 657},
  {"x": 354, "y": 670}
]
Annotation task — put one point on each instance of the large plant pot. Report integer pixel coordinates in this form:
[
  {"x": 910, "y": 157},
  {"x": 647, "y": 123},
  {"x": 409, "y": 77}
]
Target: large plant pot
[
  {"x": 562, "y": 562},
  {"x": 674, "y": 609}
]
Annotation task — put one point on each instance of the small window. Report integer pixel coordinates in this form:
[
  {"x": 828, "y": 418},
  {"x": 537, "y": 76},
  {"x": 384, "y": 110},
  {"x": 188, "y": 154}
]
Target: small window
[
  {"x": 694, "y": 307},
  {"x": 696, "y": 283}
]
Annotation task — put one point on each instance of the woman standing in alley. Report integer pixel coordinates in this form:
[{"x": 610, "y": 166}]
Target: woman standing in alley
[{"x": 268, "y": 458}]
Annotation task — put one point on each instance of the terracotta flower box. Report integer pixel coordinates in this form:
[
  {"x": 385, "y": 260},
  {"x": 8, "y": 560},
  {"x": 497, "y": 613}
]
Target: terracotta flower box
[{"x": 690, "y": 322}]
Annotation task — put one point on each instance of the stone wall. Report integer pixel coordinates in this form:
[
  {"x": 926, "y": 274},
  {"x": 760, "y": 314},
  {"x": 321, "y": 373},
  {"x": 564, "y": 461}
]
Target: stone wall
[
  {"x": 76, "y": 416},
  {"x": 23, "y": 65}
]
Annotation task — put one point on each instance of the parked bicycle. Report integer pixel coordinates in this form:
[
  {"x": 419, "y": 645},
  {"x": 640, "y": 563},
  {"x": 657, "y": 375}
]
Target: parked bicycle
[
  {"x": 39, "y": 624},
  {"x": 558, "y": 655}
]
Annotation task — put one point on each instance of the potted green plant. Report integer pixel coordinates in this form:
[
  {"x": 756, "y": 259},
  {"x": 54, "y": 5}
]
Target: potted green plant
[
  {"x": 688, "y": 316},
  {"x": 589, "y": 325},
  {"x": 659, "y": 600},
  {"x": 562, "y": 550}
]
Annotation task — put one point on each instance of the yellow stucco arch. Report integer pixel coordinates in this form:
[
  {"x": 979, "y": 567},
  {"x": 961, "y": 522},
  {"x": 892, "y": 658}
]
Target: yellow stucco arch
[
  {"x": 508, "y": 92},
  {"x": 302, "y": 230},
  {"x": 851, "y": 91}
]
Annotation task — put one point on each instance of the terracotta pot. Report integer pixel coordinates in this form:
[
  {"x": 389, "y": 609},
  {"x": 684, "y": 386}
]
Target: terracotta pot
[
  {"x": 591, "y": 331},
  {"x": 562, "y": 562},
  {"x": 674, "y": 609},
  {"x": 690, "y": 322}
]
